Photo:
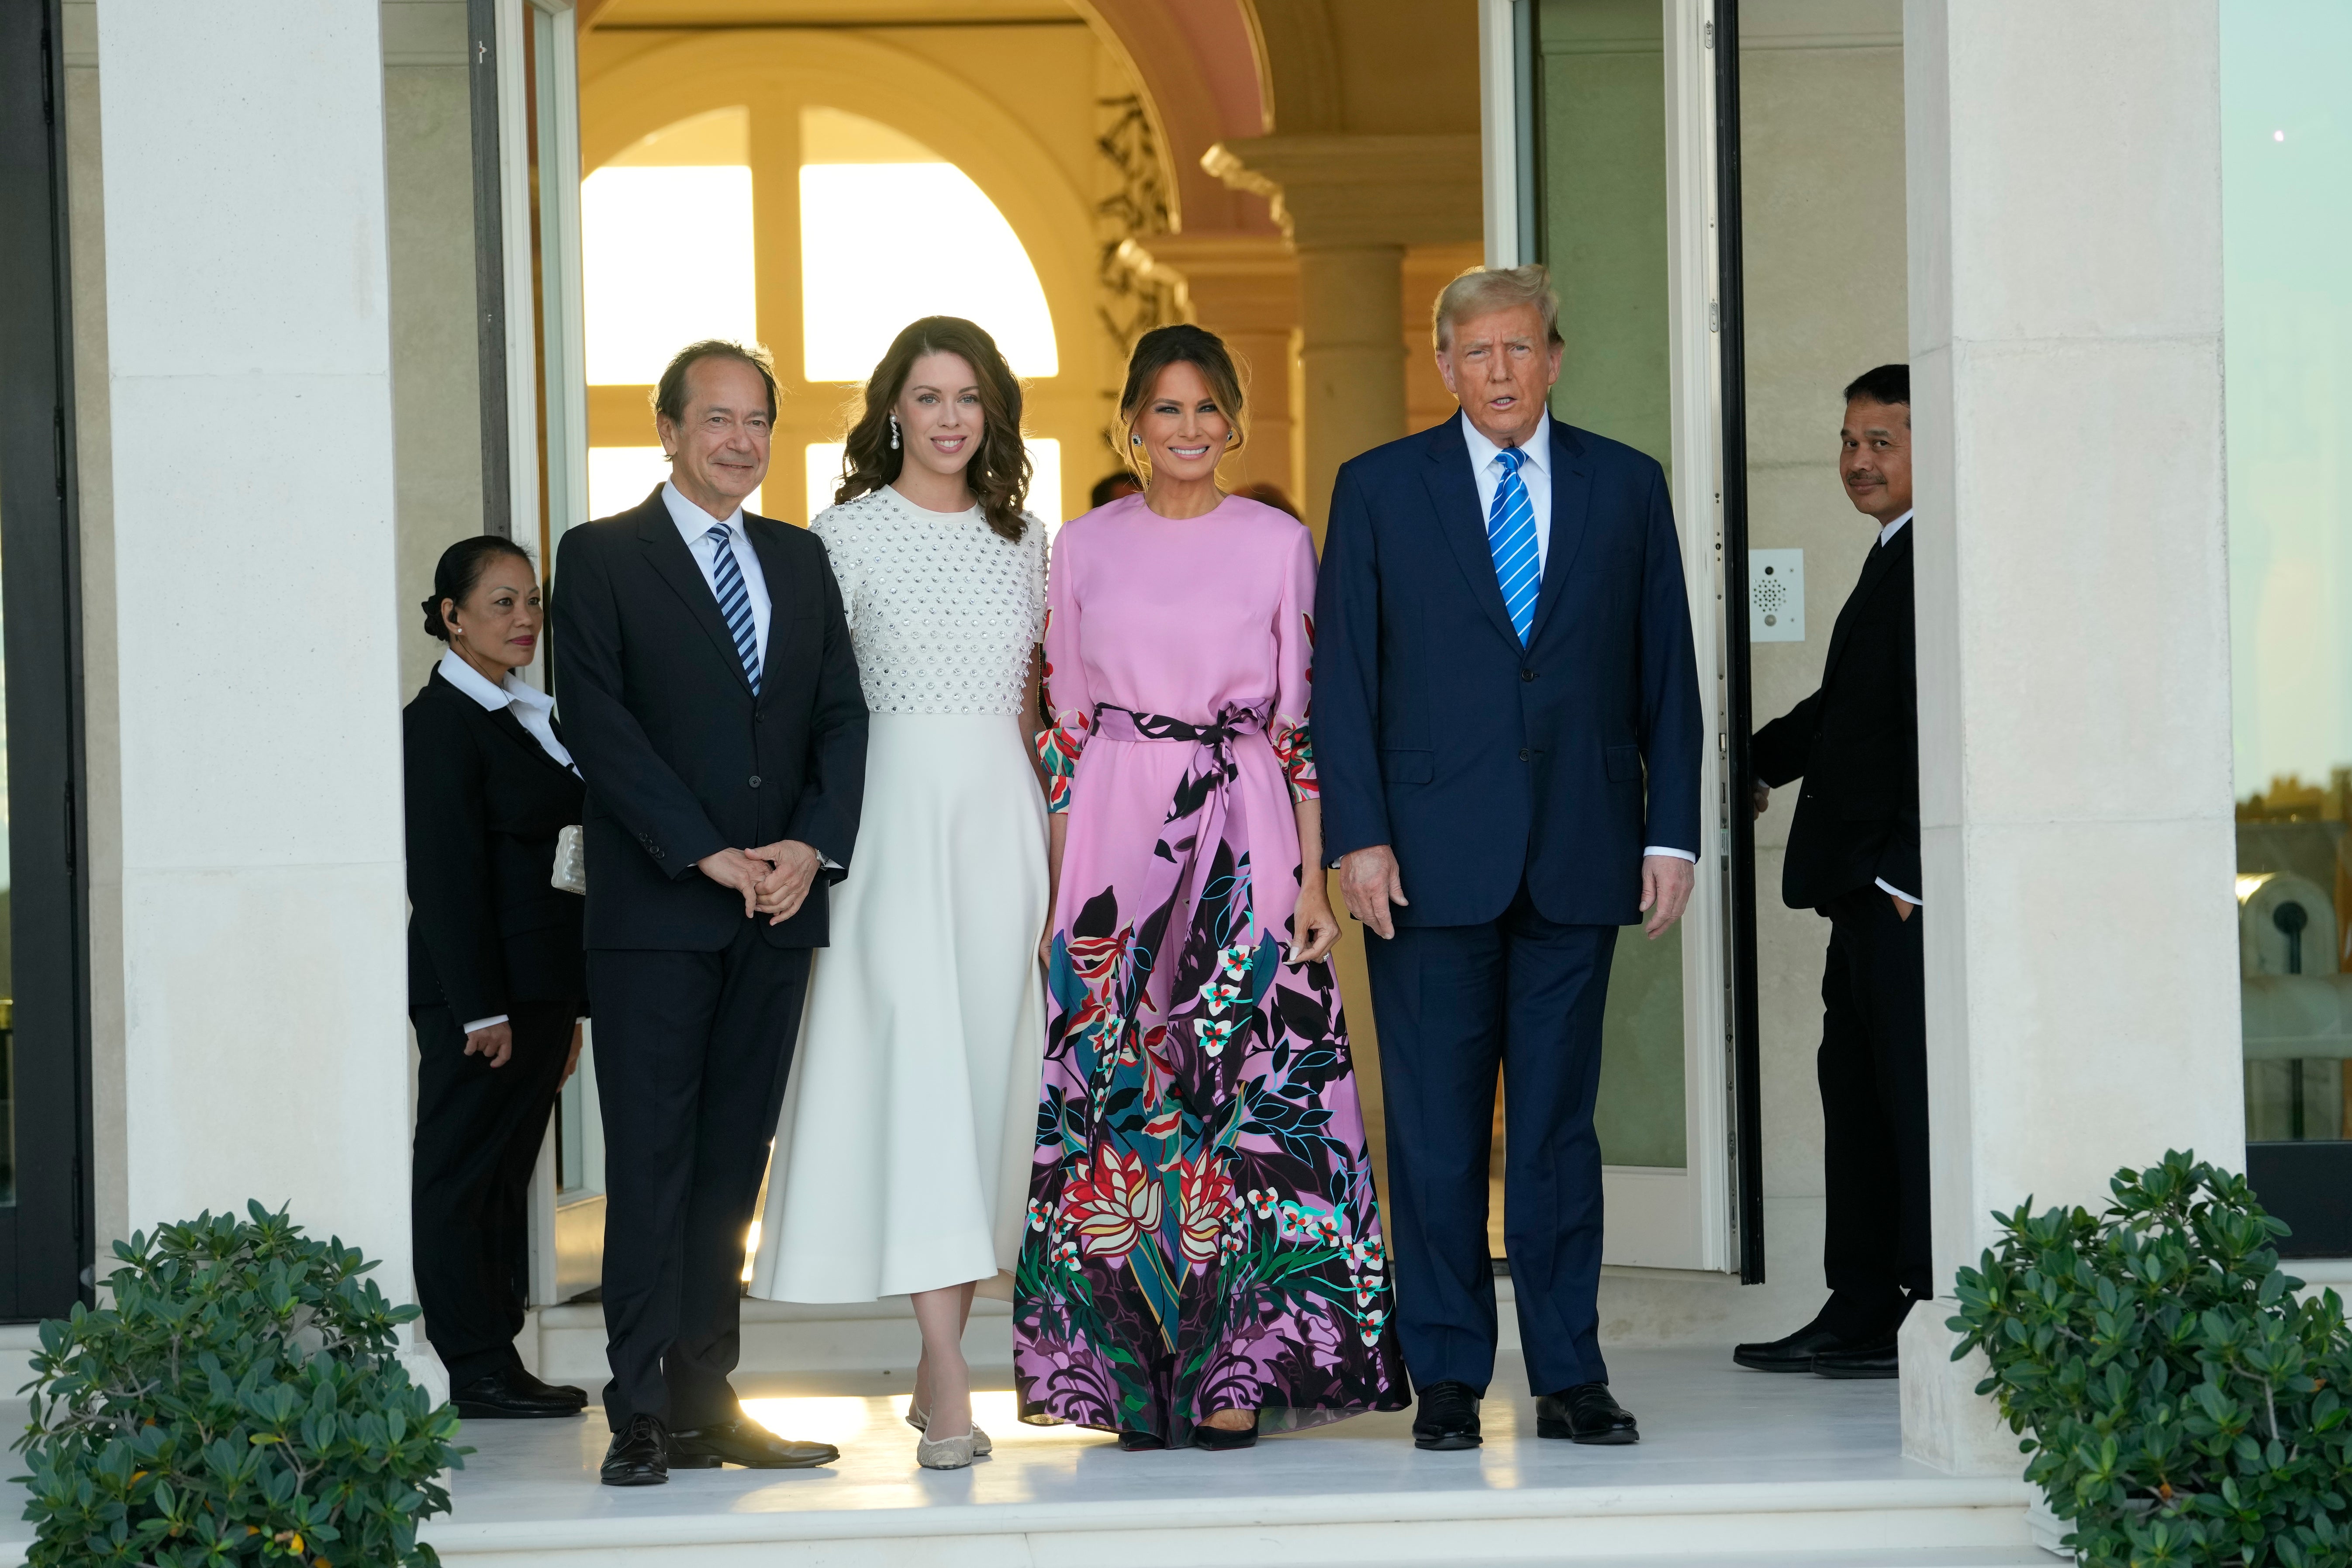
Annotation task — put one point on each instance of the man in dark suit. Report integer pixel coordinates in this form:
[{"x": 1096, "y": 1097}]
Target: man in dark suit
[
  {"x": 1507, "y": 719},
  {"x": 1853, "y": 855},
  {"x": 711, "y": 695}
]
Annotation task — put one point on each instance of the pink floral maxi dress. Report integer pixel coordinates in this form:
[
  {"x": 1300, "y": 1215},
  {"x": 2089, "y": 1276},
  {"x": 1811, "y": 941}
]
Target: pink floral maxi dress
[{"x": 1201, "y": 1228}]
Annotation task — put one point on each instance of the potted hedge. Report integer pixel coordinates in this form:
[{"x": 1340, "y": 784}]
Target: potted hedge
[
  {"x": 240, "y": 1402},
  {"x": 2180, "y": 1405}
]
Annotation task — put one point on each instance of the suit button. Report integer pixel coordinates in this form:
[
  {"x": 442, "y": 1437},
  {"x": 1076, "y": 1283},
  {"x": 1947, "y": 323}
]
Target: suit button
[
  {"x": 755, "y": 781},
  {"x": 1526, "y": 675},
  {"x": 1525, "y": 753}
]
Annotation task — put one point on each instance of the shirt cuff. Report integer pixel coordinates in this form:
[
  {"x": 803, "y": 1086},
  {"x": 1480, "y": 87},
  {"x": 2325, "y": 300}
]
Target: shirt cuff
[
  {"x": 1912, "y": 899},
  {"x": 827, "y": 861},
  {"x": 1678, "y": 854},
  {"x": 486, "y": 1023}
]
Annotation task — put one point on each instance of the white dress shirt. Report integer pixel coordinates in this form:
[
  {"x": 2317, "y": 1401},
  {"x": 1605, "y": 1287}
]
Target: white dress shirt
[
  {"x": 1535, "y": 474},
  {"x": 528, "y": 704},
  {"x": 1885, "y": 536},
  {"x": 694, "y": 526}
]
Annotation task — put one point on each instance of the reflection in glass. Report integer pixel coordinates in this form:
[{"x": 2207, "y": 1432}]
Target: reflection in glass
[{"x": 2289, "y": 383}]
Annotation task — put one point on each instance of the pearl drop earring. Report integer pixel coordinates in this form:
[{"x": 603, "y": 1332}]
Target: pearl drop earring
[{"x": 894, "y": 432}]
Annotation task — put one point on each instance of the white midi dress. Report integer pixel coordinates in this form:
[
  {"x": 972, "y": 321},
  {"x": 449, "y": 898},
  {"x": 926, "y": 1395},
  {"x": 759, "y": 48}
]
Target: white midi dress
[{"x": 902, "y": 1155}]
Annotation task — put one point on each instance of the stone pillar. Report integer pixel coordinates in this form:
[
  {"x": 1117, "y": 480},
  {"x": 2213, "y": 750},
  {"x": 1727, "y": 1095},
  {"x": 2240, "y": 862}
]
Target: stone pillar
[
  {"x": 1351, "y": 204},
  {"x": 2073, "y": 626},
  {"x": 256, "y": 655},
  {"x": 1244, "y": 288}
]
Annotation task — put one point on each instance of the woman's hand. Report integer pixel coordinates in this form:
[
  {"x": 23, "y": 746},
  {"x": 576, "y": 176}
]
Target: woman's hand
[
  {"x": 1315, "y": 930},
  {"x": 571, "y": 1062},
  {"x": 494, "y": 1044}
]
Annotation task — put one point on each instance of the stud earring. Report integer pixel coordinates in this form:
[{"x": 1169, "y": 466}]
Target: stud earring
[
  {"x": 1135, "y": 440},
  {"x": 894, "y": 432}
]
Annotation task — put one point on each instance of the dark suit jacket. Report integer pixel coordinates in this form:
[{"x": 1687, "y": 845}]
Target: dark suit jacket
[
  {"x": 485, "y": 800},
  {"x": 1483, "y": 764},
  {"x": 1856, "y": 743},
  {"x": 681, "y": 760}
]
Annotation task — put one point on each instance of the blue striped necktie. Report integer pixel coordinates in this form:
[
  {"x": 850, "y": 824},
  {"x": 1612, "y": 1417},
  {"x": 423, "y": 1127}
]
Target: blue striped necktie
[
  {"x": 1511, "y": 535},
  {"x": 735, "y": 603}
]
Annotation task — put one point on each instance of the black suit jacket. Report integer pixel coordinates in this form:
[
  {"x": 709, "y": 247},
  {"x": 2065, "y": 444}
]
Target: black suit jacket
[
  {"x": 485, "y": 802},
  {"x": 1856, "y": 743},
  {"x": 681, "y": 760}
]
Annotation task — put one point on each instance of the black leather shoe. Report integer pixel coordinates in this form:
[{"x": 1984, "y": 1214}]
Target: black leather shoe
[
  {"x": 1588, "y": 1413},
  {"x": 1447, "y": 1419},
  {"x": 745, "y": 1443},
  {"x": 1220, "y": 1440},
  {"x": 1858, "y": 1361},
  {"x": 1795, "y": 1353},
  {"x": 640, "y": 1456},
  {"x": 513, "y": 1395}
]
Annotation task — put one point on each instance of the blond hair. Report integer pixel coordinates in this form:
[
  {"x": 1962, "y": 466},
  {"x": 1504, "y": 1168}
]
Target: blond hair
[{"x": 1483, "y": 290}]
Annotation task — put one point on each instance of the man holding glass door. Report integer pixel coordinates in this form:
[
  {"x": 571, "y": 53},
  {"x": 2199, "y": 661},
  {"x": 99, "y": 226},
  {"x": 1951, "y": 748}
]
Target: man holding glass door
[{"x": 1853, "y": 855}]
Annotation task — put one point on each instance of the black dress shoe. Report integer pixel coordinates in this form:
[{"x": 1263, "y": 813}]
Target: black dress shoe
[
  {"x": 1447, "y": 1419},
  {"x": 640, "y": 1456},
  {"x": 1858, "y": 1361},
  {"x": 1588, "y": 1413},
  {"x": 745, "y": 1443},
  {"x": 1796, "y": 1352},
  {"x": 511, "y": 1393},
  {"x": 1131, "y": 1442}
]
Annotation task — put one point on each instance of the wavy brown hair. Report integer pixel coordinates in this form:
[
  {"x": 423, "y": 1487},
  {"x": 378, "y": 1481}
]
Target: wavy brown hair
[{"x": 998, "y": 474}]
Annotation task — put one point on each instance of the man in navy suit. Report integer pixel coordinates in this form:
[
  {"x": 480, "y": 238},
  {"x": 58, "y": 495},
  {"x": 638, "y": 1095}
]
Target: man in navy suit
[{"x": 1508, "y": 724}]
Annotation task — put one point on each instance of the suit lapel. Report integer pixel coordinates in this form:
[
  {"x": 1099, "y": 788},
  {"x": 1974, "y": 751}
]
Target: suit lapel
[
  {"x": 666, "y": 553},
  {"x": 1455, "y": 493},
  {"x": 774, "y": 570},
  {"x": 505, "y": 721},
  {"x": 1572, "y": 496},
  {"x": 1873, "y": 573}
]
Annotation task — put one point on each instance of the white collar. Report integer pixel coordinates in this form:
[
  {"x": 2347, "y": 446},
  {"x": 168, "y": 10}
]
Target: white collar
[
  {"x": 1537, "y": 446},
  {"x": 691, "y": 519},
  {"x": 1892, "y": 529},
  {"x": 476, "y": 685}
]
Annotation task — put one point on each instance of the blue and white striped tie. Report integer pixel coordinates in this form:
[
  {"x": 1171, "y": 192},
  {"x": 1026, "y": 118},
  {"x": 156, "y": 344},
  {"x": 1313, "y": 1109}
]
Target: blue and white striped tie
[
  {"x": 1511, "y": 535},
  {"x": 735, "y": 603}
]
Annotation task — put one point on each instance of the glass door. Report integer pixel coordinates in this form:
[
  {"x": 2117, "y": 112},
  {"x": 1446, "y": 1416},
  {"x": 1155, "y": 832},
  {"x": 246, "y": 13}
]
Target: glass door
[
  {"x": 45, "y": 1230},
  {"x": 1611, "y": 185},
  {"x": 2288, "y": 341}
]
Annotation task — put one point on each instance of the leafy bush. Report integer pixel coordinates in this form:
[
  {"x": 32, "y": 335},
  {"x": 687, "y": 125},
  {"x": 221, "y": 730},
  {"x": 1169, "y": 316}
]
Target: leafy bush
[
  {"x": 241, "y": 1402},
  {"x": 2184, "y": 1407}
]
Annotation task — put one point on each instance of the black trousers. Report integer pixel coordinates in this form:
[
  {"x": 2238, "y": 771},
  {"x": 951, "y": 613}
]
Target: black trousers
[
  {"x": 1874, "y": 1078},
  {"x": 692, "y": 1049},
  {"x": 479, "y": 1130},
  {"x": 1521, "y": 995}
]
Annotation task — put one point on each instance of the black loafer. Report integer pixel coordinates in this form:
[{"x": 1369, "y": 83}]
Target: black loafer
[
  {"x": 1859, "y": 1361},
  {"x": 1588, "y": 1413},
  {"x": 745, "y": 1443},
  {"x": 513, "y": 1395},
  {"x": 1447, "y": 1420},
  {"x": 1218, "y": 1440},
  {"x": 640, "y": 1456}
]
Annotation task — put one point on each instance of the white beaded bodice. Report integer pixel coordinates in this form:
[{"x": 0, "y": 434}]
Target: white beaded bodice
[{"x": 943, "y": 610}]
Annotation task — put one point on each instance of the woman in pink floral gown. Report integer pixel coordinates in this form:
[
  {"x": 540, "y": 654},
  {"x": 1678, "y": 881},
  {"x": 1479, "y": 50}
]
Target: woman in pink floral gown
[{"x": 1204, "y": 1260}]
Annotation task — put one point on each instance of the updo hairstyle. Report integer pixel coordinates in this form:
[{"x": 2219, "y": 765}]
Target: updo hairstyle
[
  {"x": 1182, "y": 344},
  {"x": 460, "y": 572}
]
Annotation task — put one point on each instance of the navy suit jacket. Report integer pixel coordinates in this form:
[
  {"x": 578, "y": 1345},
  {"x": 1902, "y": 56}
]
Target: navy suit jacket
[{"x": 1484, "y": 764}]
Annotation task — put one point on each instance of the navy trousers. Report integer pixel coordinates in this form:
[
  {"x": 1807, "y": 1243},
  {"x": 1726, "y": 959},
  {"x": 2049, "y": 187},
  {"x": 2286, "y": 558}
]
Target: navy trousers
[
  {"x": 692, "y": 1050},
  {"x": 1522, "y": 995}
]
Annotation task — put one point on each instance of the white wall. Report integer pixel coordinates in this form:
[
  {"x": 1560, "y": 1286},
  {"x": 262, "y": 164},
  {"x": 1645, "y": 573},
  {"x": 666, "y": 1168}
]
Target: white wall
[{"x": 249, "y": 384}]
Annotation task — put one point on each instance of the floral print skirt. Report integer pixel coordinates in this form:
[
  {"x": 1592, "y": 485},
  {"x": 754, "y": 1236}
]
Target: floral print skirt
[{"x": 1203, "y": 1234}]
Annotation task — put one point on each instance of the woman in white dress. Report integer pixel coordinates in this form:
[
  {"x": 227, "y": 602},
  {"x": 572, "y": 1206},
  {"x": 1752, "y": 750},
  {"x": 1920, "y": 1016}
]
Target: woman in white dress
[{"x": 902, "y": 1156}]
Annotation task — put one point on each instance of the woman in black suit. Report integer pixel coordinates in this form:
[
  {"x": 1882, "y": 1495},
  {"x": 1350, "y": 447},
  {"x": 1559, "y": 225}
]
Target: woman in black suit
[{"x": 495, "y": 978}]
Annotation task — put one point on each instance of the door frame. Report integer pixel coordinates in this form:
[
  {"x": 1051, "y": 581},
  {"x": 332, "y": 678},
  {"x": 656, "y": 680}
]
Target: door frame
[
  {"x": 46, "y": 1237},
  {"x": 1701, "y": 1215}
]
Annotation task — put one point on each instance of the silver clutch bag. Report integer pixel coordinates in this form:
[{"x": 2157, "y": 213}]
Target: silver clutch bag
[{"x": 570, "y": 874}]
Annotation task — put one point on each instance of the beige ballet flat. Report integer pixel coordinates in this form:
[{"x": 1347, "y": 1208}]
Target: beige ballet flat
[
  {"x": 947, "y": 1454},
  {"x": 920, "y": 1420}
]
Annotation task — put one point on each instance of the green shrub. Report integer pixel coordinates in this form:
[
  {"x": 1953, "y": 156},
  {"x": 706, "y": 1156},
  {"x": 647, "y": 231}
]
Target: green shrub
[
  {"x": 240, "y": 1402},
  {"x": 2184, "y": 1409}
]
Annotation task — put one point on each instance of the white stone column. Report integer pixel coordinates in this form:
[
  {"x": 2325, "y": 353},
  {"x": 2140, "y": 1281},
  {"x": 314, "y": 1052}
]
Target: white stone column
[
  {"x": 263, "y": 967},
  {"x": 2066, "y": 299}
]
